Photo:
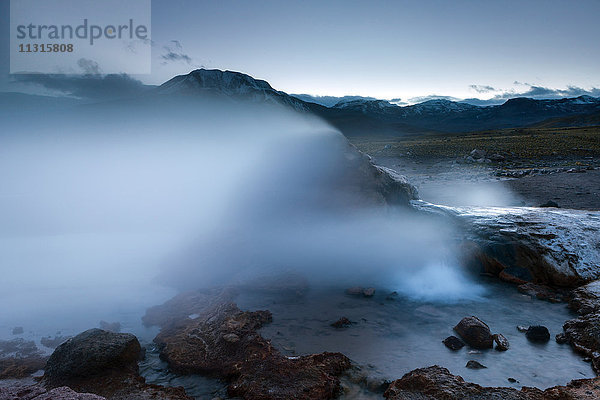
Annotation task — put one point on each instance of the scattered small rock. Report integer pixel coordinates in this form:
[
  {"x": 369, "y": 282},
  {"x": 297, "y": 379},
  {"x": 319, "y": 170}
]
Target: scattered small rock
[
  {"x": 341, "y": 323},
  {"x": 472, "y": 364},
  {"x": 475, "y": 333},
  {"x": 501, "y": 342},
  {"x": 392, "y": 296},
  {"x": 538, "y": 333},
  {"x": 551, "y": 204},
  {"x": 561, "y": 338},
  {"x": 512, "y": 380},
  {"x": 358, "y": 291},
  {"x": 522, "y": 328},
  {"x": 231, "y": 338},
  {"x": 369, "y": 292},
  {"x": 453, "y": 343},
  {"x": 17, "y": 330},
  {"x": 477, "y": 154}
]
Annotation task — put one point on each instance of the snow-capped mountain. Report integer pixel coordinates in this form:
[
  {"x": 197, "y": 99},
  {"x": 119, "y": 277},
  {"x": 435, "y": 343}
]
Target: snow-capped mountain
[
  {"x": 438, "y": 106},
  {"x": 363, "y": 116},
  {"x": 366, "y": 106}
]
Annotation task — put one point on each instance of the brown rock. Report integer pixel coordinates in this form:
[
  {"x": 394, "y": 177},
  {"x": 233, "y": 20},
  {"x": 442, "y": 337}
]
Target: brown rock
[
  {"x": 472, "y": 364},
  {"x": 453, "y": 343},
  {"x": 501, "y": 342},
  {"x": 103, "y": 363},
  {"x": 437, "y": 383},
  {"x": 251, "y": 365},
  {"x": 507, "y": 277},
  {"x": 538, "y": 333},
  {"x": 543, "y": 292},
  {"x": 475, "y": 333},
  {"x": 561, "y": 338},
  {"x": 37, "y": 392},
  {"x": 369, "y": 292},
  {"x": 341, "y": 323}
]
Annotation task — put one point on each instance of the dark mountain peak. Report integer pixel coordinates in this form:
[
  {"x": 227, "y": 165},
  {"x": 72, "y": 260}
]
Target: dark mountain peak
[
  {"x": 215, "y": 79},
  {"x": 231, "y": 85},
  {"x": 439, "y": 106},
  {"x": 518, "y": 101},
  {"x": 364, "y": 102}
]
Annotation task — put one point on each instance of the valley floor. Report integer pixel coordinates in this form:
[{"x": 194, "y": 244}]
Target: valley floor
[{"x": 522, "y": 167}]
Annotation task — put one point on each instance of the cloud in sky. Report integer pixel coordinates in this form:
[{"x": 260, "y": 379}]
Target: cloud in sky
[
  {"x": 421, "y": 99},
  {"x": 90, "y": 86},
  {"x": 174, "y": 53},
  {"x": 482, "y": 88}
]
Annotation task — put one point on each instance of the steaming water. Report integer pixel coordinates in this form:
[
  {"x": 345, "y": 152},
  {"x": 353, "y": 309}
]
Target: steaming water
[
  {"x": 102, "y": 206},
  {"x": 392, "y": 336}
]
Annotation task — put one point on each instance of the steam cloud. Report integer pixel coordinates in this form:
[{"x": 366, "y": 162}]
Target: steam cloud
[{"x": 200, "y": 194}]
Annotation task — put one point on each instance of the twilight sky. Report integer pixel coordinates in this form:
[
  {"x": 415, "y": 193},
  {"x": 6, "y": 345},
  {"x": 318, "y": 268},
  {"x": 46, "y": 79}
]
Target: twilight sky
[{"x": 383, "y": 49}]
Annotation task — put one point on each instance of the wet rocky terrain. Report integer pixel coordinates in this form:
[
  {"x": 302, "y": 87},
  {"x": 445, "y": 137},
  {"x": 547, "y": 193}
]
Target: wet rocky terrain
[
  {"x": 513, "y": 337},
  {"x": 522, "y": 320}
]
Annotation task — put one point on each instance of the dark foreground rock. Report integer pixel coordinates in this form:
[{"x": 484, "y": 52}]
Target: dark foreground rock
[
  {"x": 583, "y": 332},
  {"x": 92, "y": 353},
  {"x": 103, "y": 363},
  {"x": 475, "y": 332},
  {"x": 472, "y": 364},
  {"x": 538, "y": 333},
  {"x": 453, "y": 343},
  {"x": 437, "y": 383},
  {"x": 342, "y": 323},
  {"x": 251, "y": 365},
  {"x": 37, "y": 392}
]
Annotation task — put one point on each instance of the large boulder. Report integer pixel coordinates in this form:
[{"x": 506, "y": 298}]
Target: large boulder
[
  {"x": 221, "y": 340},
  {"x": 36, "y": 392},
  {"x": 475, "y": 333},
  {"x": 104, "y": 363},
  {"x": 538, "y": 333},
  {"x": 559, "y": 248},
  {"x": 437, "y": 383},
  {"x": 91, "y": 353},
  {"x": 583, "y": 332}
]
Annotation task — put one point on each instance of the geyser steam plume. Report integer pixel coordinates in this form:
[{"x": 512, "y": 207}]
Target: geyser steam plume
[{"x": 202, "y": 193}]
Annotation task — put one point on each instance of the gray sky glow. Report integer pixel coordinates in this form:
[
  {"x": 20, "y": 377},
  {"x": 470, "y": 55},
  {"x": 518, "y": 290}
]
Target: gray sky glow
[{"x": 383, "y": 49}]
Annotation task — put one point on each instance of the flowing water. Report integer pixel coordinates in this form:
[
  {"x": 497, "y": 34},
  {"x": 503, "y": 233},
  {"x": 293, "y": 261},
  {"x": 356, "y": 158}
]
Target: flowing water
[{"x": 392, "y": 335}]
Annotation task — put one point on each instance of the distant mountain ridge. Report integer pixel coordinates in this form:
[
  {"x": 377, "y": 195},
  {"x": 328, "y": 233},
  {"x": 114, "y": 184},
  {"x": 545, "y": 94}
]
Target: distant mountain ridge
[
  {"x": 356, "y": 115},
  {"x": 353, "y": 115}
]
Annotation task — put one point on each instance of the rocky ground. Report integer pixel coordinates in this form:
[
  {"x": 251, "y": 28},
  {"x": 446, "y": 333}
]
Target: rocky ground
[
  {"x": 548, "y": 254},
  {"x": 530, "y": 167},
  {"x": 216, "y": 338},
  {"x": 204, "y": 332}
]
